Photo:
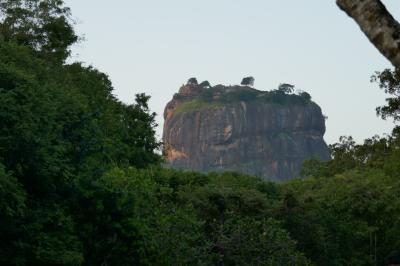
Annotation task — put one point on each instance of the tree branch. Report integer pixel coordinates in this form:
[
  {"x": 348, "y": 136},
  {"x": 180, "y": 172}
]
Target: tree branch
[{"x": 378, "y": 25}]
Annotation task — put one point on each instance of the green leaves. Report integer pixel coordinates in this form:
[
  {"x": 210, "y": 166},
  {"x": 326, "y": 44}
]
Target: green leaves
[
  {"x": 61, "y": 130},
  {"x": 389, "y": 81},
  {"x": 81, "y": 182},
  {"x": 12, "y": 196},
  {"x": 131, "y": 221},
  {"x": 43, "y": 25}
]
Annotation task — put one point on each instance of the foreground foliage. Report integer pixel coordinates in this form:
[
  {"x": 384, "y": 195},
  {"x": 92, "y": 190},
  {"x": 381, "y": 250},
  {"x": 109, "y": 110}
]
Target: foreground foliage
[{"x": 81, "y": 181}]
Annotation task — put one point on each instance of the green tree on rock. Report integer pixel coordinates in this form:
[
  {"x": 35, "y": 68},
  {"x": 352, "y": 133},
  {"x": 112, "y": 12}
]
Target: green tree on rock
[
  {"x": 205, "y": 84},
  {"x": 286, "y": 88},
  {"x": 305, "y": 95},
  {"x": 192, "y": 81},
  {"x": 247, "y": 81}
]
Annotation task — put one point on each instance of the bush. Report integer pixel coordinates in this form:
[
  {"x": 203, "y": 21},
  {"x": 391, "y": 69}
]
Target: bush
[
  {"x": 192, "y": 81},
  {"x": 247, "y": 81}
]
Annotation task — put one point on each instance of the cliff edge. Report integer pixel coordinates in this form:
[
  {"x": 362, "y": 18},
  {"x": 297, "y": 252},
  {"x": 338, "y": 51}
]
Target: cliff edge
[{"x": 239, "y": 128}]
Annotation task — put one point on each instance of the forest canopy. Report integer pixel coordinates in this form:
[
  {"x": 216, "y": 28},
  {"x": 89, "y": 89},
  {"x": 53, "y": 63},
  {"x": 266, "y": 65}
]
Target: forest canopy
[{"x": 82, "y": 181}]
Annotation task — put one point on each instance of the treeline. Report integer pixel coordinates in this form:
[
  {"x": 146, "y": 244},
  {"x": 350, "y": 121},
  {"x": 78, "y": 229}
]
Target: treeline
[{"x": 81, "y": 181}]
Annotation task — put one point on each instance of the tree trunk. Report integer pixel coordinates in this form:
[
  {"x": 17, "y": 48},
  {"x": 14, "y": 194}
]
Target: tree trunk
[{"x": 378, "y": 24}]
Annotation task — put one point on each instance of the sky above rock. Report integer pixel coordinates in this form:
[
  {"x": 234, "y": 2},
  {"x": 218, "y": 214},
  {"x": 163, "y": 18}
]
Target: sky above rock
[{"x": 154, "y": 46}]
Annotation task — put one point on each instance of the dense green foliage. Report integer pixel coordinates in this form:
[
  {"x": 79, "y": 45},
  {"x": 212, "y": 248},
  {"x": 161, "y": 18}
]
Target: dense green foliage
[
  {"x": 196, "y": 105},
  {"x": 42, "y": 25},
  {"x": 278, "y": 97},
  {"x": 352, "y": 201},
  {"x": 286, "y": 88},
  {"x": 389, "y": 81},
  {"x": 192, "y": 81},
  {"x": 81, "y": 181},
  {"x": 247, "y": 81},
  {"x": 219, "y": 96},
  {"x": 205, "y": 84}
]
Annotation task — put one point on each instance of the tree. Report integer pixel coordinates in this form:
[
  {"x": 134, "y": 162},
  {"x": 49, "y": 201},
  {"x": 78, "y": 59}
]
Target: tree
[
  {"x": 192, "y": 81},
  {"x": 384, "y": 32},
  {"x": 205, "y": 84},
  {"x": 61, "y": 129},
  {"x": 305, "y": 95},
  {"x": 378, "y": 25},
  {"x": 390, "y": 82},
  {"x": 286, "y": 88},
  {"x": 43, "y": 25},
  {"x": 247, "y": 81}
]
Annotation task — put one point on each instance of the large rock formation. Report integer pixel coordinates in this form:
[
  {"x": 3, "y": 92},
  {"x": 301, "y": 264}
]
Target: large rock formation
[{"x": 238, "y": 128}]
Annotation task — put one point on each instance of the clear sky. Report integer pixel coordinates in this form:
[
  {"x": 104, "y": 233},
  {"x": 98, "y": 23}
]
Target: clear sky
[{"x": 154, "y": 46}]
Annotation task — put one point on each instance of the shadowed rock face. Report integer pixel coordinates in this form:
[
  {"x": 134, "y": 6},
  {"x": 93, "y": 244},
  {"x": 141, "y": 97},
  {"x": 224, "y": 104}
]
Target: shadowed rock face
[{"x": 268, "y": 134}]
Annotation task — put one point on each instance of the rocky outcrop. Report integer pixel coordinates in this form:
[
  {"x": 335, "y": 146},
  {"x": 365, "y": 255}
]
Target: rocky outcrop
[{"x": 238, "y": 128}]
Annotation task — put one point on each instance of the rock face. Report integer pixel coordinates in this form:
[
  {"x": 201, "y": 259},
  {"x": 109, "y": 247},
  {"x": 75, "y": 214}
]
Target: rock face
[{"x": 238, "y": 128}]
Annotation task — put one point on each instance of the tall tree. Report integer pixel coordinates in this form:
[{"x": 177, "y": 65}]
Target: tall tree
[
  {"x": 43, "y": 25},
  {"x": 378, "y": 25}
]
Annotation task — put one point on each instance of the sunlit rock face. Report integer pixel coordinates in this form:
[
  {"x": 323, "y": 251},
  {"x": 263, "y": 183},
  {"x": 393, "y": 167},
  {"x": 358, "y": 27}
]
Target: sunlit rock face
[{"x": 238, "y": 128}]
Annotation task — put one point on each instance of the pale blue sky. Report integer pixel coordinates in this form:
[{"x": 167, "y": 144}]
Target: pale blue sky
[{"x": 154, "y": 46}]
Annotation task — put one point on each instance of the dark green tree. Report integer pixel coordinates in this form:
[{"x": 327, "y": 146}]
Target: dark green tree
[
  {"x": 205, "y": 84},
  {"x": 61, "y": 129},
  {"x": 286, "y": 88},
  {"x": 389, "y": 81},
  {"x": 247, "y": 81},
  {"x": 43, "y": 25},
  {"x": 306, "y": 96},
  {"x": 192, "y": 81}
]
